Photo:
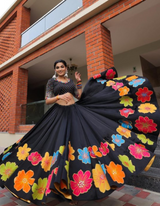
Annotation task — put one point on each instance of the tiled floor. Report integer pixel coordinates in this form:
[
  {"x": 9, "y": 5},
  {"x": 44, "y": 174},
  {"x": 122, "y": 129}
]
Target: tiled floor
[{"x": 125, "y": 196}]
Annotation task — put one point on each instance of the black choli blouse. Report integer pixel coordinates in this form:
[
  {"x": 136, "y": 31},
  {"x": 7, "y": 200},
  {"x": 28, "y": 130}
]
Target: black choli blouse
[{"x": 55, "y": 87}]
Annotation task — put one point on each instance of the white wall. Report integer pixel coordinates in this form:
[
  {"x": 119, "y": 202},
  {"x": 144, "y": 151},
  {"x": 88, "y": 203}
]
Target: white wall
[{"x": 125, "y": 62}]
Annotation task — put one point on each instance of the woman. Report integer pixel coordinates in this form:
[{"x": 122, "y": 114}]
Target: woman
[{"x": 84, "y": 150}]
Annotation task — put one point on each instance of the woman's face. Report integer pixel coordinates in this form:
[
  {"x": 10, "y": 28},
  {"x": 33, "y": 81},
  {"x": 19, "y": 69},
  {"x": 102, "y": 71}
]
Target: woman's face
[{"x": 60, "y": 69}]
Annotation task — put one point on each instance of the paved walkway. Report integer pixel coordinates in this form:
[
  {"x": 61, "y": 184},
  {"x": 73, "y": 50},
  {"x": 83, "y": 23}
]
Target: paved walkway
[{"x": 124, "y": 196}]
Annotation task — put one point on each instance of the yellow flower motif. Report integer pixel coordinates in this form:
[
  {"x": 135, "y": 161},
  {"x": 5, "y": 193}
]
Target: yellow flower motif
[
  {"x": 100, "y": 179},
  {"x": 111, "y": 145},
  {"x": 147, "y": 108},
  {"x": 126, "y": 100},
  {"x": 110, "y": 83},
  {"x": 61, "y": 149},
  {"x": 71, "y": 152},
  {"x": 46, "y": 162},
  {"x": 124, "y": 132},
  {"x": 123, "y": 90},
  {"x": 23, "y": 152},
  {"x": 131, "y": 78},
  {"x": 119, "y": 78}
]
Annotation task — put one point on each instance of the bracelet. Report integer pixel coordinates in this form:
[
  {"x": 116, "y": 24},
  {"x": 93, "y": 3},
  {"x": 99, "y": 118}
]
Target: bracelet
[
  {"x": 79, "y": 81},
  {"x": 57, "y": 97}
]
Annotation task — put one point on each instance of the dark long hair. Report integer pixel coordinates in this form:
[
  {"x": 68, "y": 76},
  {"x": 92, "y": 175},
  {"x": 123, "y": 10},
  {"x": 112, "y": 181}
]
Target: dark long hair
[{"x": 60, "y": 61}]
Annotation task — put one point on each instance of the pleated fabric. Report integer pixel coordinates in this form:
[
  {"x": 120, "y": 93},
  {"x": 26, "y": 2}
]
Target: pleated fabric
[{"x": 86, "y": 150}]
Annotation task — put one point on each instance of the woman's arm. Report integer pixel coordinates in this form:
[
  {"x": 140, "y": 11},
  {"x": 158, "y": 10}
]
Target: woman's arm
[
  {"x": 65, "y": 97},
  {"x": 79, "y": 84}
]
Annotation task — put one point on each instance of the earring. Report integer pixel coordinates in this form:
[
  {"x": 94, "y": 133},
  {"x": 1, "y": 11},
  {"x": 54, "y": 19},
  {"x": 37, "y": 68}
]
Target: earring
[
  {"x": 54, "y": 76},
  {"x": 66, "y": 74}
]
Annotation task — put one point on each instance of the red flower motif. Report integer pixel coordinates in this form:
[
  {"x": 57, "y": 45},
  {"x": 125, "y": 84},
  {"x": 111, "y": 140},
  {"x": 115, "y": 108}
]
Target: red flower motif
[
  {"x": 144, "y": 94},
  {"x": 96, "y": 76},
  {"x": 126, "y": 112},
  {"x": 145, "y": 125},
  {"x": 104, "y": 149},
  {"x": 34, "y": 158},
  {"x": 110, "y": 74},
  {"x": 82, "y": 182},
  {"x": 138, "y": 151}
]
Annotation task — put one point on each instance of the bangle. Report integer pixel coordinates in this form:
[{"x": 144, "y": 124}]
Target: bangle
[
  {"x": 79, "y": 81},
  {"x": 57, "y": 97}
]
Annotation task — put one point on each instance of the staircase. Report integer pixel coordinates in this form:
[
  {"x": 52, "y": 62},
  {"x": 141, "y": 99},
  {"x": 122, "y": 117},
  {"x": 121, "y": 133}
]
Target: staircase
[{"x": 151, "y": 179}]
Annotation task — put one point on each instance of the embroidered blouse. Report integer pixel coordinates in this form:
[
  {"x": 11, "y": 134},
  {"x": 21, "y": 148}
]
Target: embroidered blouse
[{"x": 55, "y": 87}]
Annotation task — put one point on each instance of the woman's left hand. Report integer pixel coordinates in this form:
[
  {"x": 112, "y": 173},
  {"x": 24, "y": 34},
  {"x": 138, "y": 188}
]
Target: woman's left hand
[{"x": 77, "y": 76}]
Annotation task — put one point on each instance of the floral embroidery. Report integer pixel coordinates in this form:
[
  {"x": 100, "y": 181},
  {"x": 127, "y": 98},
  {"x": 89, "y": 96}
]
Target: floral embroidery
[
  {"x": 117, "y": 85},
  {"x": 116, "y": 173},
  {"x": 102, "y": 81},
  {"x": 7, "y": 170},
  {"x": 117, "y": 139},
  {"x": 18, "y": 141},
  {"x": 94, "y": 151},
  {"x": 48, "y": 191},
  {"x": 144, "y": 140},
  {"x": 131, "y": 78},
  {"x": 82, "y": 182},
  {"x": 23, "y": 152},
  {"x": 144, "y": 94},
  {"x": 138, "y": 151},
  {"x": 46, "y": 162},
  {"x": 61, "y": 149},
  {"x": 145, "y": 125},
  {"x": 137, "y": 82},
  {"x": 67, "y": 170},
  {"x": 127, "y": 163},
  {"x": 71, "y": 152},
  {"x": 54, "y": 158},
  {"x": 6, "y": 150},
  {"x": 110, "y": 74},
  {"x": 5, "y": 156},
  {"x": 123, "y": 90},
  {"x": 104, "y": 148},
  {"x": 124, "y": 132},
  {"x": 120, "y": 78},
  {"x": 126, "y": 112},
  {"x": 110, "y": 83},
  {"x": 55, "y": 171},
  {"x": 103, "y": 168},
  {"x": 84, "y": 156},
  {"x": 100, "y": 179},
  {"x": 39, "y": 189},
  {"x": 126, "y": 124},
  {"x": 34, "y": 158},
  {"x": 126, "y": 100},
  {"x": 96, "y": 76},
  {"x": 23, "y": 181},
  {"x": 147, "y": 108}
]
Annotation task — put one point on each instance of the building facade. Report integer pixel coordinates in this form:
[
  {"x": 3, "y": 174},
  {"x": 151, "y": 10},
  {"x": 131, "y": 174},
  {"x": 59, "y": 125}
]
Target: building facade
[{"x": 95, "y": 34}]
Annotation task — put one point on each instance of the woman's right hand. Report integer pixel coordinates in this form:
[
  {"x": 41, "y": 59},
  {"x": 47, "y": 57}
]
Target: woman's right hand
[{"x": 65, "y": 97}]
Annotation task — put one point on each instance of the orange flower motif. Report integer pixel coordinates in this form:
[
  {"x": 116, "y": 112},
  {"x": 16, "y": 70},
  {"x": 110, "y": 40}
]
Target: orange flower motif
[
  {"x": 24, "y": 180},
  {"x": 100, "y": 179},
  {"x": 116, "y": 173},
  {"x": 131, "y": 78},
  {"x": 123, "y": 90},
  {"x": 71, "y": 152},
  {"x": 46, "y": 162},
  {"x": 124, "y": 132},
  {"x": 94, "y": 151}
]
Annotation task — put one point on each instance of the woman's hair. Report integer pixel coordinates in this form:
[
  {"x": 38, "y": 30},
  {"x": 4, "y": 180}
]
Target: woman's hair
[{"x": 60, "y": 61}]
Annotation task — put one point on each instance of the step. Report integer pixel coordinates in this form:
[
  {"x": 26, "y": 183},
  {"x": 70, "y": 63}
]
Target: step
[
  {"x": 149, "y": 180},
  {"x": 156, "y": 162}
]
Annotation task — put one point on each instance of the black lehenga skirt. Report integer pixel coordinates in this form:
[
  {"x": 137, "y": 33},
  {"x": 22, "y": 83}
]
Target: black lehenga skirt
[{"x": 86, "y": 150}]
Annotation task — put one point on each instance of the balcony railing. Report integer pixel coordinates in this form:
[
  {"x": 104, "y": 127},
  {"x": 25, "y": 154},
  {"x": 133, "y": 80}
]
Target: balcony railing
[
  {"x": 32, "y": 112},
  {"x": 58, "y": 13}
]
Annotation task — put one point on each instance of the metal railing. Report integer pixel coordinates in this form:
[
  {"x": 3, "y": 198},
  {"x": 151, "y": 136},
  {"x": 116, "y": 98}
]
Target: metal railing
[
  {"x": 57, "y": 14},
  {"x": 32, "y": 112}
]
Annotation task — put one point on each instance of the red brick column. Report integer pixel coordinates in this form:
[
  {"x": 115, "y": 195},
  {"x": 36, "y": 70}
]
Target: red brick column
[
  {"x": 18, "y": 97},
  {"x": 98, "y": 49},
  {"x": 87, "y": 3},
  {"x": 23, "y": 22}
]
